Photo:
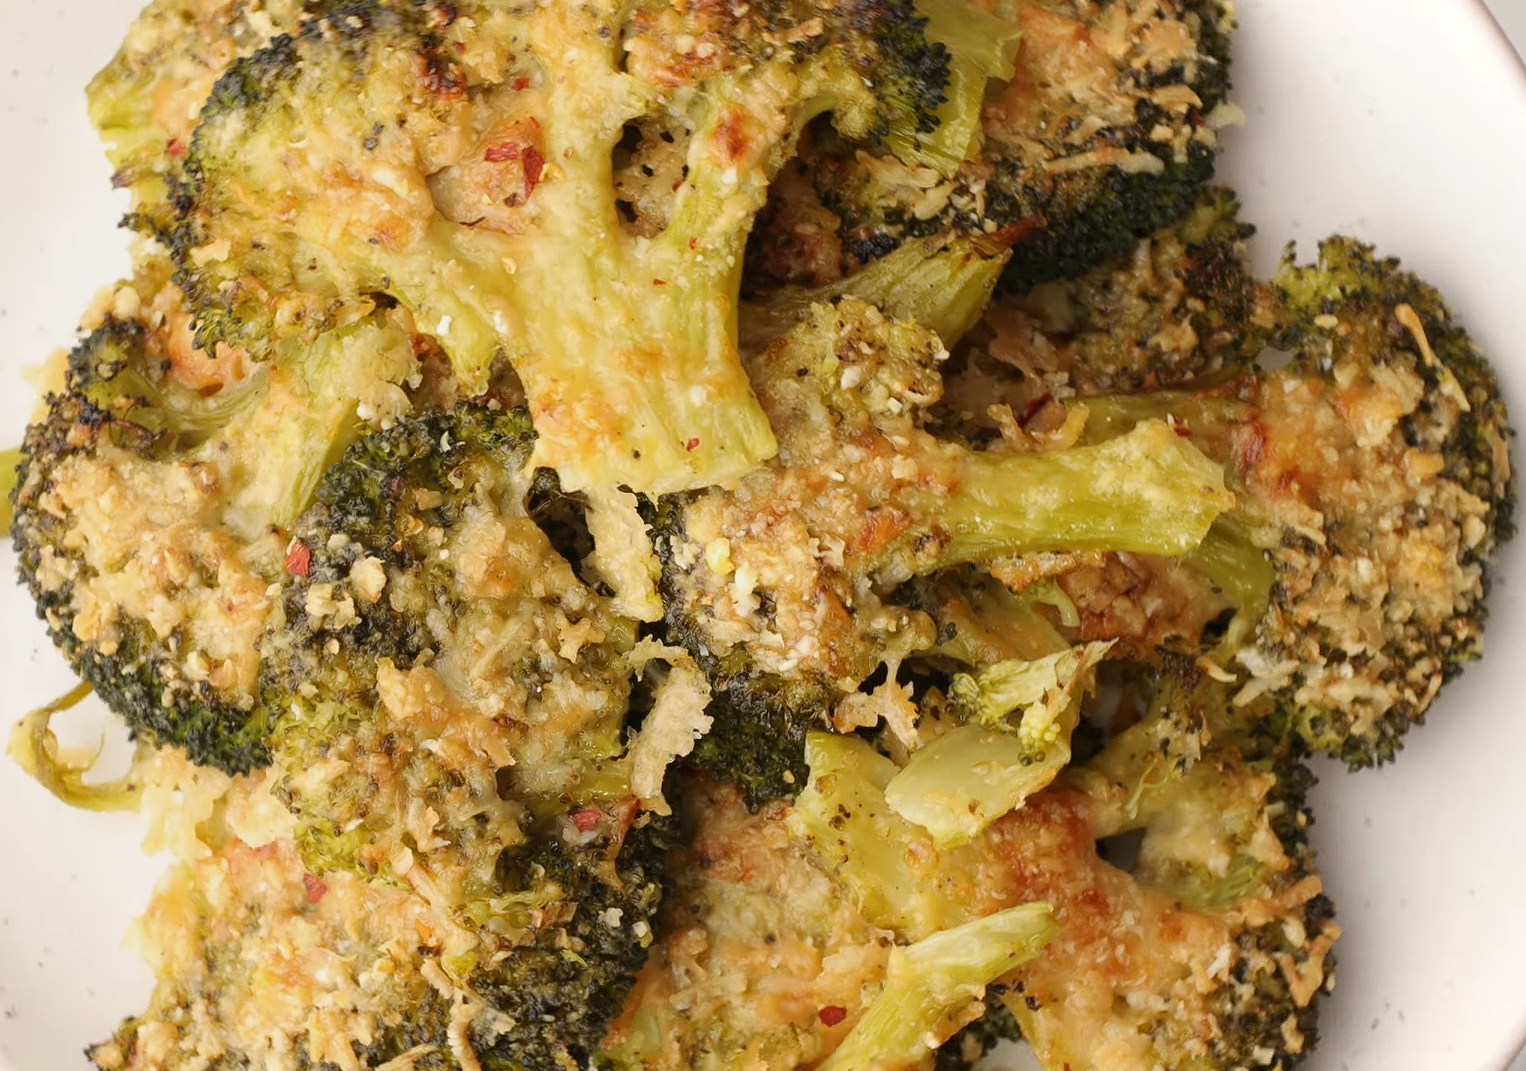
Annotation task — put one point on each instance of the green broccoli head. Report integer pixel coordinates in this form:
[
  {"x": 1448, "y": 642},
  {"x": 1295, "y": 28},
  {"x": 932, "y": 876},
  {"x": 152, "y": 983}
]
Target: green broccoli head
[
  {"x": 303, "y": 202},
  {"x": 436, "y": 650},
  {"x": 780, "y": 584},
  {"x": 152, "y": 498},
  {"x": 565, "y": 988},
  {"x": 1221, "y": 823},
  {"x": 1084, "y": 149},
  {"x": 1373, "y": 486},
  {"x": 1421, "y": 401},
  {"x": 1206, "y": 946},
  {"x": 244, "y": 933},
  {"x": 145, "y": 101},
  {"x": 1180, "y": 307}
]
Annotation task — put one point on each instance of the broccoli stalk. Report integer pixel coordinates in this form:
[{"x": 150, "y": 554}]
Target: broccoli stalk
[
  {"x": 302, "y": 200},
  {"x": 981, "y": 46},
  {"x": 941, "y": 283},
  {"x": 929, "y": 986},
  {"x": 34, "y": 748}
]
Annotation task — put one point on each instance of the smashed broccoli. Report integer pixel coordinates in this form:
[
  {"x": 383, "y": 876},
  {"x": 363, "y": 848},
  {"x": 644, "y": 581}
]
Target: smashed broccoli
[
  {"x": 153, "y": 494},
  {"x": 777, "y": 584},
  {"x": 1357, "y": 592},
  {"x": 1209, "y": 950},
  {"x": 244, "y": 935},
  {"x": 1105, "y": 131},
  {"x": 301, "y": 202}
]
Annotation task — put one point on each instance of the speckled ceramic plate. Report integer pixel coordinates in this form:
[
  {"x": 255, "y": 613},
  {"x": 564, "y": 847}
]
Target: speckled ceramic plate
[{"x": 1403, "y": 121}]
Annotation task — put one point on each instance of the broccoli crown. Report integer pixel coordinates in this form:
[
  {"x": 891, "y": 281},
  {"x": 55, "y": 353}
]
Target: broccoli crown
[
  {"x": 421, "y": 555},
  {"x": 1338, "y": 584},
  {"x": 102, "y": 456},
  {"x": 155, "y": 494},
  {"x": 1224, "y": 866},
  {"x": 1381, "y": 600},
  {"x": 565, "y": 988},
  {"x": 244, "y": 932},
  {"x": 748, "y": 908},
  {"x": 779, "y": 584},
  {"x": 632, "y": 375},
  {"x": 1181, "y": 307},
  {"x": 144, "y": 102},
  {"x": 1073, "y": 190}
]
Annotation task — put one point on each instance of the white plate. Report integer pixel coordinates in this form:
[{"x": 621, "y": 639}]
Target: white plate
[{"x": 1403, "y": 121}]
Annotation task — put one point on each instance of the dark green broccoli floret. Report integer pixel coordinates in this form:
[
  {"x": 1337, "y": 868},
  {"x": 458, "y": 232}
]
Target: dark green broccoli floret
[
  {"x": 152, "y": 498},
  {"x": 263, "y": 925},
  {"x": 563, "y": 1004},
  {"x": 144, "y": 102},
  {"x": 1181, "y": 307},
  {"x": 1083, "y": 152},
  {"x": 320, "y": 178},
  {"x": 778, "y": 583},
  {"x": 435, "y": 648},
  {"x": 1374, "y": 486}
]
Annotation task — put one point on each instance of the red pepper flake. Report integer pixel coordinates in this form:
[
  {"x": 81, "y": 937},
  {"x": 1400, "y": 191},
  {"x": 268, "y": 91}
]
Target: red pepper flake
[
  {"x": 693, "y": 243},
  {"x": 659, "y": 282},
  {"x": 585, "y": 819},
  {"x": 1033, "y": 408},
  {"x": 534, "y": 164},
  {"x": 315, "y": 888},
  {"x": 520, "y": 84},
  {"x": 691, "y": 444},
  {"x": 1181, "y": 429},
  {"x": 299, "y": 558},
  {"x": 499, "y": 154},
  {"x": 832, "y": 1014},
  {"x": 175, "y": 147}
]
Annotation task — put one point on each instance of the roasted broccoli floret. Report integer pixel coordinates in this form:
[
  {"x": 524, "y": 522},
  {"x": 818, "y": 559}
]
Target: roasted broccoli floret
[
  {"x": 1373, "y": 486},
  {"x": 778, "y": 582},
  {"x": 263, "y": 963},
  {"x": 154, "y": 494},
  {"x": 825, "y": 984},
  {"x": 1105, "y": 132},
  {"x": 461, "y": 160},
  {"x": 145, "y": 101},
  {"x": 435, "y": 652},
  {"x": 1208, "y": 950},
  {"x": 1180, "y": 307}
]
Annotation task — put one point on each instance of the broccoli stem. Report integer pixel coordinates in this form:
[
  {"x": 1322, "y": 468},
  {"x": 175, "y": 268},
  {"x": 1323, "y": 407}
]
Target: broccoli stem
[
  {"x": 974, "y": 773},
  {"x": 34, "y": 748},
  {"x": 274, "y": 450},
  {"x": 941, "y": 284},
  {"x": 885, "y": 864},
  {"x": 930, "y": 983},
  {"x": 1147, "y": 492},
  {"x": 981, "y": 46},
  {"x": 626, "y": 347}
]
